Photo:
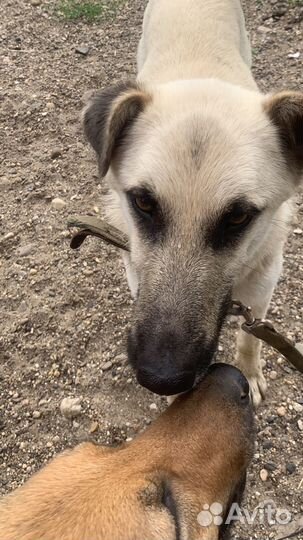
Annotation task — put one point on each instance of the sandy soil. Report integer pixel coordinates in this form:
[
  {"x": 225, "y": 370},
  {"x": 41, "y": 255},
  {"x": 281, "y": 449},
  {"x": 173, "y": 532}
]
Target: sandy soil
[{"x": 64, "y": 314}]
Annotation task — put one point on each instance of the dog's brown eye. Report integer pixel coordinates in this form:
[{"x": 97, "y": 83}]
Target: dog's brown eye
[
  {"x": 144, "y": 204},
  {"x": 238, "y": 218}
]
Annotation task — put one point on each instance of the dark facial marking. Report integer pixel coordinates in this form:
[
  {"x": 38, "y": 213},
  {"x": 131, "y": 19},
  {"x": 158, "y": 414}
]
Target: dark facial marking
[
  {"x": 169, "y": 502},
  {"x": 227, "y": 229},
  {"x": 147, "y": 212},
  {"x": 235, "y": 497}
]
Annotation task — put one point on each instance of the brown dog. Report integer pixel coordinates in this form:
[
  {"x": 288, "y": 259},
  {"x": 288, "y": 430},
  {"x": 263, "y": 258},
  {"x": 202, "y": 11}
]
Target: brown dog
[{"x": 154, "y": 488}]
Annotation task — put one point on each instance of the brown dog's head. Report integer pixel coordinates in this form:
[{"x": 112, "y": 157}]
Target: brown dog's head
[
  {"x": 156, "y": 487},
  {"x": 198, "y": 170}
]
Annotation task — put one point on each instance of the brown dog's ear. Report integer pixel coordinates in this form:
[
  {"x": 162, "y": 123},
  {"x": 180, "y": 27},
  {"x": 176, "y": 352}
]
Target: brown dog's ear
[
  {"x": 285, "y": 109},
  {"x": 107, "y": 117}
]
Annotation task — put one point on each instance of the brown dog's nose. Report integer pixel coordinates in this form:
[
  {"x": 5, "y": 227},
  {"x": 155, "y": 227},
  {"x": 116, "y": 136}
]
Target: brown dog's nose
[{"x": 230, "y": 381}]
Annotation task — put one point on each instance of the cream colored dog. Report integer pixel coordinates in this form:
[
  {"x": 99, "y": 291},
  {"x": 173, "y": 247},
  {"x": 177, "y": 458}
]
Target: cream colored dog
[
  {"x": 201, "y": 167},
  {"x": 154, "y": 488}
]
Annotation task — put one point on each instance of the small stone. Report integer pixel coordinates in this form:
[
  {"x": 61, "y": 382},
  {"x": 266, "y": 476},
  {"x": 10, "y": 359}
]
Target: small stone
[
  {"x": 36, "y": 2},
  {"x": 56, "y": 439},
  {"x": 298, "y": 407},
  {"x": 84, "y": 50},
  {"x": 290, "y": 468},
  {"x": 120, "y": 359},
  {"x": 27, "y": 249},
  {"x": 270, "y": 466},
  {"x": 106, "y": 366},
  {"x": 153, "y": 407},
  {"x": 263, "y": 29},
  {"x": 76, "y": 425},
  {"x": 295, "y": 55},
  {"x": 300, "y": 425},
  {"x": 57, "y": 152},
  {"x": 93, "y": 427},
  {"x": 70, "y": 407},
  {"x": 273, "y": 375},
  {"x": 264, "y": 475},
  {"x": 279, "y": 10},
  {"x": 7, "y": 236},
  {"x": 267, "y": 445},
  {"x": 281, "y": 411},
  {"x": 58, "y": 203},
  {"x": 36, "y": 414},
  {"x": 96, "y": 210},
  {"x": 298, "y": 231}
]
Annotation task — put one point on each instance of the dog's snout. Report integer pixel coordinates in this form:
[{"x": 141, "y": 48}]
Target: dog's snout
[
  {"x": 232, "y": 382},
  {"x": 166, "y": 360},
  {"x": 166, "y": 381}
]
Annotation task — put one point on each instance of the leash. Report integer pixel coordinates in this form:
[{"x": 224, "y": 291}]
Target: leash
[
  {"x": 259, "y": 328},
  {"x": 264, "y": 330}
]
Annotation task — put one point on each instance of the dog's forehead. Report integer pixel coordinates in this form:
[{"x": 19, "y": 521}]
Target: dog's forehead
[{"x": 203, "y": 151}]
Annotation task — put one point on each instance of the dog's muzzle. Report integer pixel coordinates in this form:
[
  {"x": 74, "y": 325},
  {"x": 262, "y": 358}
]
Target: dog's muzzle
[{"x": 167, "y": 362}]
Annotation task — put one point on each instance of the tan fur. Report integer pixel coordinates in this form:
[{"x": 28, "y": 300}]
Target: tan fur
[
  {"x": 206, "y": 137},
  {"x": 200, "y": 447}
]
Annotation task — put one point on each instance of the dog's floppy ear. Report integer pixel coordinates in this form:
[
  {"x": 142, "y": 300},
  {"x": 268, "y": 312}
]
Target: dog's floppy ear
[
  {"x": 285, "y": 110},
  {"x": 108, "y": 115}
]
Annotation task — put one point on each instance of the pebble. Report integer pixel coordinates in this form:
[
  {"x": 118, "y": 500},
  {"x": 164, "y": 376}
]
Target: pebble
[
  {"x": 7, "y": 236},
  {"x": 84, "y": 50},
  {"x": 297, "y": 407},
  {"x": 27, "y": 249},
  {"x": 93, "y": 427},
  {"x": 55, "y": 153},
  {"x": 153, "y": 407},
  {"x": 300, "y": 425},
  {"x": 281, "y": 411},
  {"x": 264, "y": 475},
  {"x": 36, "y": 414},
  {"x": 263, "y": 30},
  {"x": 36, "y": 2},
  {"x": 106, "y": 366},
  {"x": 270, "y": 466},
  {"x": 290, "y": 468},
  {"x": 58, "y": 203},
  {"x": 120, "y": 359},
  {"x": 70, "y": 407},
  {"x": 267, "y": 445},
  {"x": 298, "y": 231},
  {"x": 273, "y": 375}
]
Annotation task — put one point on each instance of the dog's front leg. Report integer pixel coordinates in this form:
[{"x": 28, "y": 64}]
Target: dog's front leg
[{"x": 256, "y": 291}]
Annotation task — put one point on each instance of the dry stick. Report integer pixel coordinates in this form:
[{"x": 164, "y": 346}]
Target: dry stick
[{"x": 92, "y": 226}]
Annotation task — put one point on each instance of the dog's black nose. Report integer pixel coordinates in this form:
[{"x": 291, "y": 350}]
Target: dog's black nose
[
  {"x": 166, "y": 361},
  {"x": 231, "y": 382},
  {"x": 164, "y": 381}
]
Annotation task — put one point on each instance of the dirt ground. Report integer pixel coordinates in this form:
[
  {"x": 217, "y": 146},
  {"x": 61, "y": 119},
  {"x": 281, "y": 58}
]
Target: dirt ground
[{"x": 64, "y": 314}]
